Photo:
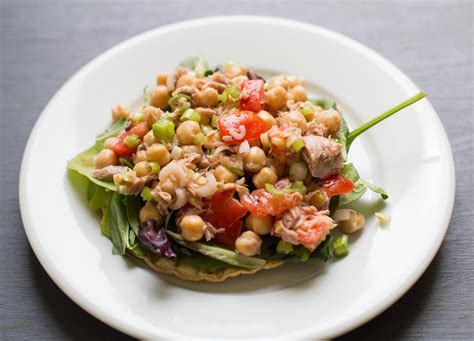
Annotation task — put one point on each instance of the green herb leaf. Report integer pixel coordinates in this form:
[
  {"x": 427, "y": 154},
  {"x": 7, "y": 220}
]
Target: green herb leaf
[
  {"x": 100, "y": 198},
  {"x": 325, "y": 103},
  {"x": 375, "y": 189},
  {"x": 119, "y": 225},
  {"x": 341, "y": 136},
  {"x": 113, "y": 131},
  {"x": 356, "y": 193},
  {"x": 216, "y": 252},
  {"x": 105, "y": 222},
  {"x": 133, "y": 205},
  {"x": 350, "y": 172}
]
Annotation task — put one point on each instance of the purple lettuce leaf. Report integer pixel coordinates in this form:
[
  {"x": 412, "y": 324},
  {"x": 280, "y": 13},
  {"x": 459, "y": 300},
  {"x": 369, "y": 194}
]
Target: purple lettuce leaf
[{"x": 155, "y": 240}]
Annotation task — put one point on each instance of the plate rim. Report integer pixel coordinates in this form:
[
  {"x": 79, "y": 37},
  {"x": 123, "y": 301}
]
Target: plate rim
[{"x": 373, "y": 56}]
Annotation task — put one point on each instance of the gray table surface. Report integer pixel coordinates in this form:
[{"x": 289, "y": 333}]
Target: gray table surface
[{"x": 44, "y": 42}]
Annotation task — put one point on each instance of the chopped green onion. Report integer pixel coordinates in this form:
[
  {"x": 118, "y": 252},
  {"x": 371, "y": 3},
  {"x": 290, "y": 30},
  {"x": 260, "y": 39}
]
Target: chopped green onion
[
  {"x": 214, "y": 121},
  {"x": 306, "y": 110},
  {"x": 125, "y": 162},
  {"x": 179, "y": 98},
  {"x": 190, "y": 115},
  {"x": 209, "y": 152},
  {"x": 131, "y": 140},
  {"x": 163, "y": 130},
  {"x": 137, "y": 118},
  {"x": 284, "y": 248},
  {"x": 146, "y": 194},
  {"x": 237, "y": 171},
  {"x": 231, "y": 93},
  {"x": 298, "y": 186},
  {"x": 341, "y": 246},
  {"x": 297, "y": 145},
  {"x": 199, "y": 139},
  {"x": 271, "y": 189},
  {"x": 206, "y": 129},
  {"x": 302, "y": 252},
  {"x": 298, "y": 171},
  {"x": 155, "y": 167}
]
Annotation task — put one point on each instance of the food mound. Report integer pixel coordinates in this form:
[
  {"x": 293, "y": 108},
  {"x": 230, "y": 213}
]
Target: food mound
[{"x": 222, "y": 173}]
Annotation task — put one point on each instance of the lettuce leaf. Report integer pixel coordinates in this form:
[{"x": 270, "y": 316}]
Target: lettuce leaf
[
  {"x": 119, "y": 225},
  {"x": 219, "y": 253}
]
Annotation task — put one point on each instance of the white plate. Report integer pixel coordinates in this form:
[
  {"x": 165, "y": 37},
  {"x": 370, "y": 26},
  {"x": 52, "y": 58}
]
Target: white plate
[{"x": 408, "y": 155}]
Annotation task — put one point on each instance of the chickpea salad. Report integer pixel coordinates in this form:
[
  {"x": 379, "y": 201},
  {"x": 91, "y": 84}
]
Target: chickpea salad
[{"x": 222, "y": 172}]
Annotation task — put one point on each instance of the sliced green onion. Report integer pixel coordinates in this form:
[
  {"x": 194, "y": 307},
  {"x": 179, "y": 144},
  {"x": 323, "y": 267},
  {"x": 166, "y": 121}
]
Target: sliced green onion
[
  {"x": 206, "y": 129},
  {"x": 298, "y": 186},
  {"x": 199, "y": 139},
  {"x": 131, "y": 140},
  {"x": 298, "y": 171},
  {"x": 237, "y": 171},
  {"x": 155, "y": 167},
  {"x": 284, "y": 248},
  {"x": 214, "y": 121},
  {"x": 163, "y": 130},
  {"x": 209, "y": 152},
  {"x": 137, "y": 118},
  {"x": 146, "y": 194},
  {"x": 302, "y": 252},
  {"x": 306, "y": 110},
  {"x": 190, "y": 115},
  {"x": 341, "y": 246},
  {"x": 232, "y": 92},
  {"x": 297, "y": 145},
  {"x": 176, "y": 99},
  {"x": 125, "y": 162},
  {"x": 271, "y": 189}
]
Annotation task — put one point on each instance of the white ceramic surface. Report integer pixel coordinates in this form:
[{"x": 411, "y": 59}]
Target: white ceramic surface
[{"x": 408, "y": 155}]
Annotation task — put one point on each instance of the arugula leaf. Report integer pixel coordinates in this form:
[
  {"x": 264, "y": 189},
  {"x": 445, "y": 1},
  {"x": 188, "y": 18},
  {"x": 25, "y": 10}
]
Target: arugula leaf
[
  {"x": 119, "y": 226},
  {"x": 375, "y": 189},
  {"x": 216, "y": 252},
  {"x": 356, "y": 193},
  {"x": 105, "y": 222},
  {"x": 113, "y": 131},
  {"x": 324, "y": 250},
  {"x": 133, "y": 204},
  {"x": 325, "y": 103},
  {"x": 202, "y": 262},
  {"x": 356, "y": 132}
]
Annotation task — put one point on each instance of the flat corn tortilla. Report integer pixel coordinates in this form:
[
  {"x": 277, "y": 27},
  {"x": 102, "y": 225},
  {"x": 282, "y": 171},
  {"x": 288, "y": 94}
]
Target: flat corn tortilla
[{"x": 189, "y": 273}]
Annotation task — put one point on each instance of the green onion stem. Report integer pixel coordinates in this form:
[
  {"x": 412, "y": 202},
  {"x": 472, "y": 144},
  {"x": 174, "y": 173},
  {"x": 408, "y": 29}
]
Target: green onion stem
[{"x": 353, "y": 134}]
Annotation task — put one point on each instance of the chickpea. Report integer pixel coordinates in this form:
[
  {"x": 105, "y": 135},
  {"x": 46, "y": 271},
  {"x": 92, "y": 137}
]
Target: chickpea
[
  {"x": 158, "y": 153},
  {"x": 298, "y": 94},
  {"x": 355, "y": 222},
  {"x": 149, "y": 212},
  {"x": 295, "y": 118},
  {"x": 267, "y": 117},
  {"x": 192, "y": 227},
  {"x": 187, "y": 80},
  {"x": 108, "y": 143},
  {"x": 266, "y": 176},
  {"x": 248, "y": 243},
  {"x": 319, "y": 199},
  {"x": 207, "y": 97},
  {"x": 187, "y": 131},
  {"x": 294, "y": 81},
  {"x": 169, "y": 186},
  {"x": 279, "y": 80},
  {"x": 106, "y": 157},
  {"x": 149, "y": 138},
  {"x": 223, "y": 174},
  {"x": 212, "y": 139},
  {"x": 151, "y": 115},
  {"x": 232, "y": 70},
  {"x": 276, "y": 98},
  {"x": 142, "y": 169},
  {"x": 259, "y": 224},
  {"x": 254, "y": 160},
  {"x": 192, "y": 150},
  {"x": 120, "y": 112},
  {"x": 160, "y": 96},
  {"x": 162, "y": 79},
  {"x": 140, "y": 156},
  {"x": 330, "y": 119}
]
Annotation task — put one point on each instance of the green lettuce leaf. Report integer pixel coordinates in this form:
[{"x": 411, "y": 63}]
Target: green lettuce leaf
[
  {"x": 119, "y": 225},
  {"x": 216, "y": 252}
]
